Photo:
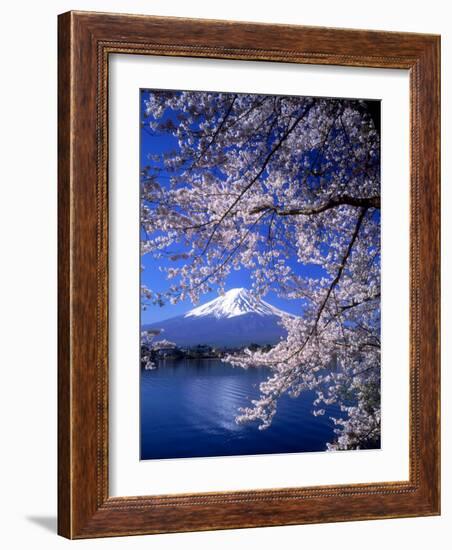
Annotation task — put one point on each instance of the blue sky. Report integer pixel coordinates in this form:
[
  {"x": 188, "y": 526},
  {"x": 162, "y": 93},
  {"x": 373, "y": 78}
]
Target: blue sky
[{"x": 154, "y": 278}]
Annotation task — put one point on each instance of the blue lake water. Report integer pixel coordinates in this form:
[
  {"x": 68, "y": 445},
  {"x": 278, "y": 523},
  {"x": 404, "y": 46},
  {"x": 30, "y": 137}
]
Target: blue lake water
[{"x": 188, "y": 409}]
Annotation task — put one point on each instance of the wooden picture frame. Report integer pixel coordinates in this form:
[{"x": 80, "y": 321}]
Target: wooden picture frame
[{"x": 85, "y": 508}]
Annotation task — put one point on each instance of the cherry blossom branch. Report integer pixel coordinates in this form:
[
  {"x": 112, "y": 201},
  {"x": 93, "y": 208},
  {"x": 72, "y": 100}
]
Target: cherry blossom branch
[
  {"x": 344, "y": 200},
  {"x": 215, "y": 135},
  {"x": 260, "y": 172},
  {"x": 330, "y": 289}
]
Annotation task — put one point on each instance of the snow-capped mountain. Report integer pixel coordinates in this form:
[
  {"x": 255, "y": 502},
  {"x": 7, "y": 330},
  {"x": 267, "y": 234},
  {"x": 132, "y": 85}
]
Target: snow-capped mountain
[
  {"x": 234, "y": 303},
  {"x": 235, "y": 319}
]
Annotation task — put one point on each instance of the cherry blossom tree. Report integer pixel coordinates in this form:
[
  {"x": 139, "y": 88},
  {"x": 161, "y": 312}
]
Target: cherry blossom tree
[{"x": 266, "y": 183}]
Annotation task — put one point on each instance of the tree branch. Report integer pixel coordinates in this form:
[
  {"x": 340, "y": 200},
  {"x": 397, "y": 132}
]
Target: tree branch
[
  {"x": 362, "y": 202},
  {"x": 342, "y": 266},
  {"x": 215, "y": 134}
]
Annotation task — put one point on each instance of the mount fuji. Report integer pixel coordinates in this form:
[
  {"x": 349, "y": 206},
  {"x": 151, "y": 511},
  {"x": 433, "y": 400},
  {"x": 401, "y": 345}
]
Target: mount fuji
[{"x": 233, "y": 320}]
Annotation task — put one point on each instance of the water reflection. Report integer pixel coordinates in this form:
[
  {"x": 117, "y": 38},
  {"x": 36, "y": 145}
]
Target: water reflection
[{"x": 188, "y": 409}]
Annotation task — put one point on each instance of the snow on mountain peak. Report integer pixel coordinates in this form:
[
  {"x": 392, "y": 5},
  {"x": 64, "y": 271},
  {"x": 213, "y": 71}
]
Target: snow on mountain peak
[{"x": 235, "y": 302}]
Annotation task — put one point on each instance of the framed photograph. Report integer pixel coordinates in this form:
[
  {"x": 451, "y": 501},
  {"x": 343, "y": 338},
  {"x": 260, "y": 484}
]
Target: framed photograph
[{"x": 248, "y": 275}]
